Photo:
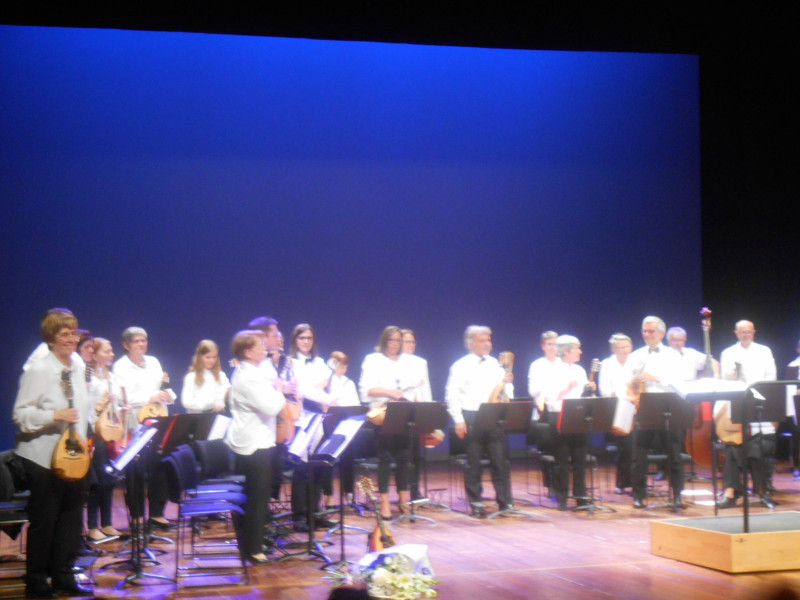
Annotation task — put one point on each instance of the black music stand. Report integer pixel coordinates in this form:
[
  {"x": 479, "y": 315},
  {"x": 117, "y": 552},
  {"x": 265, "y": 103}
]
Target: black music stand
[
  {"x": 666, "y": 411},
  {"x": 184, "y": 428},
  {"x": 413, "y": 419},
  {"x": 711, "y": 390},
  {"x": 506, "y": 417},
  {"x": 763, "y": 401},
  {"x": 340, "y": 428},
  {"x": 588, "y": 415},
  {"x": 130, "y": 462}
]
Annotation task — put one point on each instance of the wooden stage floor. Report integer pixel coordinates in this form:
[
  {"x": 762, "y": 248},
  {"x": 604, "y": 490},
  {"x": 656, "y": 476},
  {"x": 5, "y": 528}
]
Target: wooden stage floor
[{"x": 551, "y": 555}]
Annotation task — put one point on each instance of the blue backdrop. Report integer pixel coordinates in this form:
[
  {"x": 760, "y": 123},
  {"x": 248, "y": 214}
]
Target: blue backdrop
[{"x": 189, "y": 182}]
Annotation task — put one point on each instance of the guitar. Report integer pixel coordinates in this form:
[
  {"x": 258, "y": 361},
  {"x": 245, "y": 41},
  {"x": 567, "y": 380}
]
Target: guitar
[
  {"x": 285, "y": 426},
  {"x": 380, "y": 538},
  {"x": 506, "y": 360},
  {"x": 729, "y": 432},
  {"x": 154, "y": 410},
  {"x": 588, "y": 392},
  {"x": 71, "y": 457},
  {"x": 109, "y": 426}
]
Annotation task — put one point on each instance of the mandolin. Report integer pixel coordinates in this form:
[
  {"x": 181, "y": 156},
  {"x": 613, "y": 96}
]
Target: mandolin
[
  {"x": 71, "y": 457},
  {"x": 506, "y": 360},
  {"x": 154, "y": 410},
  {"x": 380, "y": 538},
  {"x": 110, "y": 426}
]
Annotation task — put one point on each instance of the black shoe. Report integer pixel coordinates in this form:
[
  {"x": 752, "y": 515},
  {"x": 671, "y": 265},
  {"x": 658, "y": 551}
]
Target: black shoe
[
  {"x": 505, "y": 506},
  {"x": 72, "y": 588},
  {"x": 160, "y": 526},
  {"x": 479, "y": 512},
  {"x": 562, "y": 505},
  {"x": 768, "y": 501},
  {"x": 583, "y": 502},
  {"x": 727, "y": 503},
  {"x": 257, "y": 561},
  {"x": 322, "y": 523},
  {"x": 637, "y": 503},
  {"x": 40, "y": 590}
]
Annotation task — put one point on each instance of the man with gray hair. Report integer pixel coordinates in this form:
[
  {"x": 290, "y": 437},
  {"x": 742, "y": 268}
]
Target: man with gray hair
[
  {"x": 470, "y": 383},
  {"x": 693, "y": 362},
  {"x": 655, "y": 368}
]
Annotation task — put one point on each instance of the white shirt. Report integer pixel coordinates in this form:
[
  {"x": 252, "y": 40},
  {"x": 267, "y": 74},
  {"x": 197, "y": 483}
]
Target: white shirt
[
  {"x": 418, "y": 374},
  {"x": 663, "y": 362},
  {"x": 692, "y": 362},
  {"x": 344, "y": 390},
  {"x": 202, "y": 398},
  {"x": 98, "y": 387},
  {"x": 470, "y": 383},
  {"x": 139, "y": 383},
  {"x": 756, "y": 360},
  {"x": 613, "y": 382},
  {"x": 40, "y": 394},
  {"x": 380, "y": 371},
  {"x": 540, "y": 373},
  {"x": 312, "y": 375},
  {"x": 254, "y": 405},
  {"x": 565, "y": 374}
]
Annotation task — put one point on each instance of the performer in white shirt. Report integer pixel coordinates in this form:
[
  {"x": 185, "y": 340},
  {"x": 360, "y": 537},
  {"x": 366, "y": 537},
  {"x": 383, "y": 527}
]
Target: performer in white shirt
[
  {"x": 102, "y": 390},
  {"x": 205, "y": 386},
  {"x": 385, "y": 377},
  {"x": 693, "y": 362},
  {"x": 312, "y": 376},
  {"x": 254, "y": 403},
  {"x": 139, "y": 376},
  {"x": 418, "y": 368},
  {"x": 569, "y": 381},
  {"x": 540, "y": 376},
  {"x": 469, "y": 384},
  {"x": 749, "y": 362},
  {"x": 42, "y": 412},
  {"x": 614, "y": 383},
  {"x": 655, "y": 368}
]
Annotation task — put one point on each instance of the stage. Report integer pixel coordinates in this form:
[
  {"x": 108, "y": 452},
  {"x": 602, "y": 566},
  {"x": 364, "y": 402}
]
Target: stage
[{"x": 552, "y": 555}]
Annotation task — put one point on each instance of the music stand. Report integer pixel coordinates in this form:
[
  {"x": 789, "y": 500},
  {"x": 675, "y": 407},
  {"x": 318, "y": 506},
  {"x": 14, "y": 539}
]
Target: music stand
[
  {"x": 763, "y": 401},
  {"x": 586, "y": 416},
  {"x": 130, "y": 463},
  {"x": 184, "y": 428},
  {"x": 413, "y": 419},
  {"x": 340, "y": 428},
  {"x": 659, "y": 411},
  {"x": 505, "y": 417},
  {"x": 711, "y": 390}
]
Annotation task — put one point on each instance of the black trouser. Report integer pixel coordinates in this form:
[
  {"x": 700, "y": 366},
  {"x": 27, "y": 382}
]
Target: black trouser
[
  {"x": 101, "y": 488},
  {"x": 756, "y": 455},
  {"x": 257, "y": 470},
  {"x": 570, "y": 454},
  {"x": 672, "y": 442},
  {"x": 393, "y": 447},
  {"x": 302, "y": 487},
  {"x": 55, "y": 511},
  {"x": 492, "y": 443},
  {"x": 624, "y": 445}
]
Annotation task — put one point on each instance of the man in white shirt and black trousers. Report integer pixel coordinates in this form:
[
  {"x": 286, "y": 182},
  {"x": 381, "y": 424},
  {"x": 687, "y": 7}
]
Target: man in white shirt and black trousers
[{"x": 470, "y": 383}]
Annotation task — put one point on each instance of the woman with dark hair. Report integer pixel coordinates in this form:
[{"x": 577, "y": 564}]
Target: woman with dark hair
[
  {"x": 254, "y": 405},
  {"x": 312, "y": 376},
  {"x": 205, "y": 386},
  {"x": 52, "y": 396},
  {"x": 385, "y": 377}
]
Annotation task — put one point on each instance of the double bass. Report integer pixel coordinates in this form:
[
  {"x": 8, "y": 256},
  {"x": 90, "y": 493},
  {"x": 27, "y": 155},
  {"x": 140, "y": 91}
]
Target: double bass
[{"x": 702, "y": 434}]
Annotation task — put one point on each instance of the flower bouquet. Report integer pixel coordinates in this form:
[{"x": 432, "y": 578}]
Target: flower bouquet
[{"x": 398, "y": 573}]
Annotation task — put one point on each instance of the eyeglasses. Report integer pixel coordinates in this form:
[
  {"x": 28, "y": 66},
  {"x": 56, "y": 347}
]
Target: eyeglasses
[{"x": 69, "y": 335}]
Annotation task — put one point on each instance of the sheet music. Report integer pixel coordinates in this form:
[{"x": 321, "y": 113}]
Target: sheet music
[
  {"x": 708, "y": 386},
  {"x": 220, "y": 427}
]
